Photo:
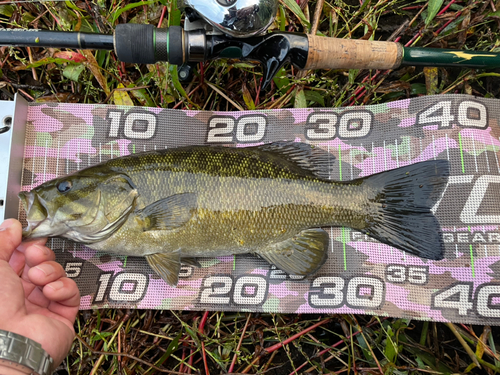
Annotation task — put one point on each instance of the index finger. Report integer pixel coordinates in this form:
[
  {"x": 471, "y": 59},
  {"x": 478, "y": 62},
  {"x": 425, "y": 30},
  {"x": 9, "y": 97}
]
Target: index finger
[
  {"x": 10, "y": 238},
  {"x": 36, "y": 241}
]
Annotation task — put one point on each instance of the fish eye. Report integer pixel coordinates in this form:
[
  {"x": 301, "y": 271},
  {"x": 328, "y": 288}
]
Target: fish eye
[{"x": 64, "y": 186}]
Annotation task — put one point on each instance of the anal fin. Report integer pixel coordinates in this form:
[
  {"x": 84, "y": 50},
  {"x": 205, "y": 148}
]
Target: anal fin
[
  {"x": 166, "y": 265},
  {"x": 191, "y": 262},
  {"x": 302, "y": 254}
]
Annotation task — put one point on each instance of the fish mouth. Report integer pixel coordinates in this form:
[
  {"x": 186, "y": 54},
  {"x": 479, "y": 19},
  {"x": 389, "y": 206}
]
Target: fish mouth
[{"x": 36, "y": 212}]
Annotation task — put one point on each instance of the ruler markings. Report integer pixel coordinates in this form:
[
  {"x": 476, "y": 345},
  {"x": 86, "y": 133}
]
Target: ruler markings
[
  {"x": 447, "y": 148},
  {"x": 33, "y": 167},
  {"x": 385, "y": 157},
  {"x": 421, "y": 157},
  {"x": 486, "y": 153},
  {"x": 495, "y": 153},
  {"x": 433, "y": 147},
  {"x": 409, "y": 151},
  {"x": 471, "y": 250},
  {"x": 45, "y": 161},
  {"x": 397, "y": 153},
  {"x": 58, "y": 156},
  {"x": 342, "y": 230},
  {"x": 373, "y": 160},
  {"x": 77, "y": 156},
  {"x": 67, "y": 159},
  {"x": 352, "y": 170},
  {"x": 461, "y": 152},
  {"x": 474, "y": 151}
]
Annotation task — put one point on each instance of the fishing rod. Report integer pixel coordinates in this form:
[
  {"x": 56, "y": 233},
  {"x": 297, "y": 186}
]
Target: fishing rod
[{"x": 236, "y": 31}]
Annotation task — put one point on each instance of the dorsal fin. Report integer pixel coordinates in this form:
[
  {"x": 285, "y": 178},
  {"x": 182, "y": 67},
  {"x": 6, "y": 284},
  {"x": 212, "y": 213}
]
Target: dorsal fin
[{"x": 315, "y": 160}]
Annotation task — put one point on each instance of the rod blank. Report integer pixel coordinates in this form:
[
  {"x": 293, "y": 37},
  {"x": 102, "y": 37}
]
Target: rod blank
[{"x": 55, "y": 39}]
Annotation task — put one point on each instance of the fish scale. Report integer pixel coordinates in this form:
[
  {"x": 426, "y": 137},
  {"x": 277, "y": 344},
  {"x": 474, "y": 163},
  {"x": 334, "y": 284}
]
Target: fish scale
[{"x": 212, "y": 201}]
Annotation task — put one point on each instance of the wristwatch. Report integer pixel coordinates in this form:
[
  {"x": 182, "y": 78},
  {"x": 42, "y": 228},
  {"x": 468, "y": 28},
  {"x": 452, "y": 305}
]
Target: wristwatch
[{"x": 23, "y": 354}]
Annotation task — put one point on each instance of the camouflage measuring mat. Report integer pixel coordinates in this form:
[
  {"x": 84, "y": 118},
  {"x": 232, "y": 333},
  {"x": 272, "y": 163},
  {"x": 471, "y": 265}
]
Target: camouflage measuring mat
[{"x": 361, "y": 275}]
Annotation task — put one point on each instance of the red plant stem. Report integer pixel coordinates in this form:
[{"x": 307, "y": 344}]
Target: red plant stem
[
  {"x": 163, "y": 11},
  {"x": 189, "y": 94},
  {"x": 27, "y": 95},
  {"x": 190, "y": 362},
  {"x": 271, "y": 349},
  {"x": 181, "y": 367},
  {"x": 233, "y": 362},
  {"x": 331, "y": 347},
  {"x": 444, "y": 26},
  {"x": 202, "y": 73},
  {"x": 360, "y": 88},
  {"x": 413, "y": 39},
  {"x": 203, "y": 322},
  {"x": 159, "y": 76},
  {"x": 446, "y": 8},
  {"x": 447, "y": 23},
  {"x": 360, "y": 91},
  {"x": 413, "y": 7},
  {"x": 258, "y": 90},
  {"x": 203, "y": 352}
]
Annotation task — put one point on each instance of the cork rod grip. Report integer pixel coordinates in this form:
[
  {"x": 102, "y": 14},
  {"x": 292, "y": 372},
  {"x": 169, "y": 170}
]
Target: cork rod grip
[{"x": 334, "y": 53}]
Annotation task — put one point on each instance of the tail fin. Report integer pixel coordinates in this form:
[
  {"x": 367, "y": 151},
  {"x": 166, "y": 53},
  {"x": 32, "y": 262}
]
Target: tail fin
[{"x": 403, "y": 199}]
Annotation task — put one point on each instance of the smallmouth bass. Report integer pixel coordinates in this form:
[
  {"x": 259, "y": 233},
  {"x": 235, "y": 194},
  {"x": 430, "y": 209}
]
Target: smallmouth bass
[{"x": 175, "y": 205}]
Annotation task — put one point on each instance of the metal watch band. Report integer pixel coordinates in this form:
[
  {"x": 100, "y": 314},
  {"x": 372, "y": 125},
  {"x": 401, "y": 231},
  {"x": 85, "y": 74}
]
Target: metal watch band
[{"x": 22, "y": 353}]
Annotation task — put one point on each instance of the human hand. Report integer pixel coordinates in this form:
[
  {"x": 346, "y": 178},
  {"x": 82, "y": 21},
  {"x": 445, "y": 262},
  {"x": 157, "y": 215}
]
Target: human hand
[{"x": 38, "y": 300}]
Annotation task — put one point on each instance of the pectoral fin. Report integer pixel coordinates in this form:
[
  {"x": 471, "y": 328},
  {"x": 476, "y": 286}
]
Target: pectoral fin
[
  {"x": 302, "y": 254},
  {"x": 168, "y": 213},
  {"x": 166, "y": 265}
]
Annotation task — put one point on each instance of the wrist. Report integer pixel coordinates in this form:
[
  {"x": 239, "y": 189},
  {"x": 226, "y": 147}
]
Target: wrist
[
  {"x": 22, "y": 355},
  {"x": 4, "y": 370}
]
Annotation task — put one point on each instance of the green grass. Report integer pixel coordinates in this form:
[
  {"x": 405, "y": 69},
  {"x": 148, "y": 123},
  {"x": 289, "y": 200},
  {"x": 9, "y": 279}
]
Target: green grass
[{"x": 140, "y": 342}]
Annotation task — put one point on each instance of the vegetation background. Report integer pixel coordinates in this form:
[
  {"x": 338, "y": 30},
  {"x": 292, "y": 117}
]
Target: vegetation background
[{"x": 184, "y": 342}]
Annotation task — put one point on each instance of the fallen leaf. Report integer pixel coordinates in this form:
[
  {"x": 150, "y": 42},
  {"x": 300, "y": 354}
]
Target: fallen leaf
[
  {"x": 71, "y": 56},
  {"x": 96, "y": 70},
  {"x": 247, "y": 97},
  {"x": 121, "y": 97},
  {"x": 73, "y": 71}
]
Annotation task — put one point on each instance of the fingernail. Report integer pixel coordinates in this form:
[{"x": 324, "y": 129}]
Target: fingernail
[
  {"x": 56, "y": 285},
  {"x": 45, "y": 250},
  {"x": 6, "y": 224},
  {"x": 47, "y": 269}
]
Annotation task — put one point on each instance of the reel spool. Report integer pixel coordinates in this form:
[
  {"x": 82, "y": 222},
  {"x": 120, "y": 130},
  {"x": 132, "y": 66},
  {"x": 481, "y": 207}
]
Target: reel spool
[{"x": 236, "y": 18}]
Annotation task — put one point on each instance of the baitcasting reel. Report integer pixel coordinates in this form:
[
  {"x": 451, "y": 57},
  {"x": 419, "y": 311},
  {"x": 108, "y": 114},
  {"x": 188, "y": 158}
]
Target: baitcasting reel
[{"x": 236, "y": 18}]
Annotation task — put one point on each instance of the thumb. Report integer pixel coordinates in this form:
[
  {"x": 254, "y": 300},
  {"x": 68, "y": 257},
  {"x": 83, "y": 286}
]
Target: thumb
[{"x": 10, "y": 238}]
